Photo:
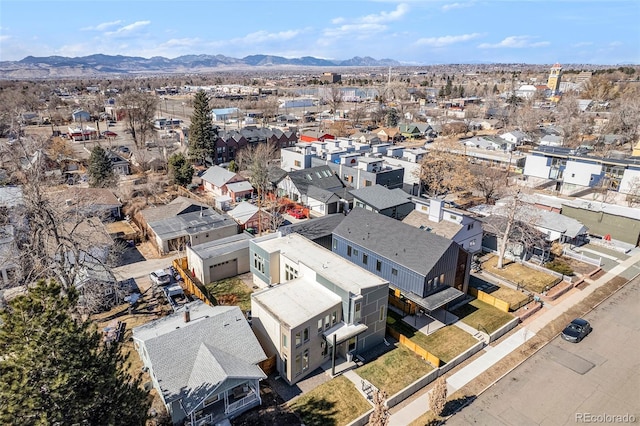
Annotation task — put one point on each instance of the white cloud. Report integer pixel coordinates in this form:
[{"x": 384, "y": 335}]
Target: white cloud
[
  {"x": 376, "y": 18},
  {"x": 451, "y": 6},
  {"x": 102, "y": 27},
  {"x": 265, "y": 36},
  {"x": 4, "y": 38},
  {"x": 615, "y": 44},
  {"x": 129, "y": 28},
  {"x": 515, "y": 42},
  {"x": 446, "y": 40},
  {"x": 582, "y": 44}
]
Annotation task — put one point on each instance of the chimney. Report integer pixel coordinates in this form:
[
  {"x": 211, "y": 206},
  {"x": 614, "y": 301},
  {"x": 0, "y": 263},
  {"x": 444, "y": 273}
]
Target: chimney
[
  {"x": 435, "y": 210},
  {"x": 187, "y": 314}
]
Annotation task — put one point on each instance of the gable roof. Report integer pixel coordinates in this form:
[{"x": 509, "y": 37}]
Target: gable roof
[
  {"x": 218, "y": 176},
  {"x": 180, "y": 205},
  {"x": 190, "y": 223},
  {"x": 380, "y": 198},
  {"x": 320, "y": 176},
  {"x": 399, "y": 242},
  {"x": 243, "y": 212},
  {"x": 191, "y": 360},
  {"x": 240, "y": 186},
  {"x": 315, "y": 228}
]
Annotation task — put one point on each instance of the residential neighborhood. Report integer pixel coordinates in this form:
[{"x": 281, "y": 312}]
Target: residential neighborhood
[{"x": 306, "y": 248}]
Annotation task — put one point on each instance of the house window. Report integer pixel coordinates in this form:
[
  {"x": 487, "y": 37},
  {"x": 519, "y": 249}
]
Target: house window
[
  {"x": 365, "y": 258},
  {"x": 367, "y": 183},
  {"x": 453, "y": 217},
  {"x": 334, "y": 317},
  {"x": 320, "y": 327},
  {"x": 258, "y": 262},
  {"x": 298, "y": 339},
  {"x": 472, "y": 243},
  {"x": 394, "y": 271},
  {"x": 211, "y": 400},
  {"x": 378, "y": 265},
  {"x": 355, "y": 252},
  {"x": 305, "y": 334},
  {"x": 305, "y": 360},
  {"x": 284, "y": 341},
  {"x": 352, "y": 344},
  {"x": 470, "y": 226},
  {"x": 327, "y": 322},
  {"x": 298, "y": 364},
  {"x": 441, "y": 278},
  {"x": 335, "y": 244},
  {"x": 297, "y": 163},
  {"x": 381, "y": 316},
  {"x": 349, "y": 251},
  {"x": 359, "y": 204},
  {"x": 357, "y": 311}
]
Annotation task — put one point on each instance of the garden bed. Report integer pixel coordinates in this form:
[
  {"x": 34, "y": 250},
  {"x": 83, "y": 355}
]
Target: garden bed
[
  {"x": 231, "y": 291},
  {"x": 519, "y": 274}
]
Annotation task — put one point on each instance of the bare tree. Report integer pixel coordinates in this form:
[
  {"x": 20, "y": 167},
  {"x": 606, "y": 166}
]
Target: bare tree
[
  {"x": 444, "y": 169},
  {"x": 334, "y": 99},
  {"x": 140, "y": 108},
  {"x": 380, "y": 415},
  {"x": 489, "y": 181},
  {"x": 438, "y": 396}
]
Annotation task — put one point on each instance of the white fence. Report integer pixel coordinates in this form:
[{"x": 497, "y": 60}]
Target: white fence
[{"x": 582, "y": 257}]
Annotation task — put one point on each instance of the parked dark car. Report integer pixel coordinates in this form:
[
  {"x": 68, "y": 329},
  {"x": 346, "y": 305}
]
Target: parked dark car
[{"x": 576, "y": 330}]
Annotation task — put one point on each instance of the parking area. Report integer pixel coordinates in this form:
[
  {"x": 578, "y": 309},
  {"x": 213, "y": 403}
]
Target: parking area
[{"x": 566, "y": 383}]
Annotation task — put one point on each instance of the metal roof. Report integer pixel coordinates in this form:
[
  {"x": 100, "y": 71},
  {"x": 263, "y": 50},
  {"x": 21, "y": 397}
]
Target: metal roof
[
  {"x": 396, "y": 241},
  {"x": 221, "y": 246},
  {"x": 190, "y": 224}
]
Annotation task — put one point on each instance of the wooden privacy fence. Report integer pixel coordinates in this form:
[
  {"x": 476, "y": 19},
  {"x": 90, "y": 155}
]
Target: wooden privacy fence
[
  {"x": 487, "y": 298},
  {"x": 405, "y": 341},
  {"x": 406, "y": 306},
  {"x": 190, "y": 284}
]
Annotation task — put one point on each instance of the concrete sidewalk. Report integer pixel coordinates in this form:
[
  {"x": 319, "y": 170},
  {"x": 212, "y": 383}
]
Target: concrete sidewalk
[{"x": 420, "y": 405}]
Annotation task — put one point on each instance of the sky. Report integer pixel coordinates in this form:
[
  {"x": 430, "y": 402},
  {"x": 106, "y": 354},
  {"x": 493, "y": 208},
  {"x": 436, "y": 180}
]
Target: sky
[{"x": 414, "y": 32}]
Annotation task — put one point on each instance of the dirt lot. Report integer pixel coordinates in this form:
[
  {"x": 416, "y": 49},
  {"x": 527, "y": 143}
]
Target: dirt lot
[{"x": 272, "y": 412}]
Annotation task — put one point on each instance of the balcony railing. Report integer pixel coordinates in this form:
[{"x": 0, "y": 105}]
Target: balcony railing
[{"x": 251, "y": 397}]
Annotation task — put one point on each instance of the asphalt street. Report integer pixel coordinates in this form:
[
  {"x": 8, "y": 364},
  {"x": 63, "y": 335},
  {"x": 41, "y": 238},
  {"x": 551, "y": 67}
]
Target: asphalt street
[{"x": 568, "y": 383}]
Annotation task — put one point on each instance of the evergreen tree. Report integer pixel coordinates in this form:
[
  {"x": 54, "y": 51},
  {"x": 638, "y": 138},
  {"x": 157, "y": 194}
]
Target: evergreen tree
[
  {"x": 392, "y": 117},
  {"x": 181, "y": 169},
  {"x": 202, "y": 134},
  {"x": 100, "y": 172},
  {"x": 55, "y": 369},
  {"x": 233, "y": 166}
]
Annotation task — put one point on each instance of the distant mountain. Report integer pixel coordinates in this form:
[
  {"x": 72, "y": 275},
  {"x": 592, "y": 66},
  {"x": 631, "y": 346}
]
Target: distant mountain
[{"x": 97, "y": 65}]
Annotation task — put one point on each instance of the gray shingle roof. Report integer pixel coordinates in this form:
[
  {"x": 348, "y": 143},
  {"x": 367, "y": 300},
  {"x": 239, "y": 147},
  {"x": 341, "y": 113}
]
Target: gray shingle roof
[
  {"x": 180, "y": 205},
  {"x": 190, "y": 223},
  {"x": 315, "y": 228},
  {"x": 401, "y": 243},
  {"x": 218, "y": 176},
  {"x": 214, "y": 351},
  {"x": 380, "y": 198}
]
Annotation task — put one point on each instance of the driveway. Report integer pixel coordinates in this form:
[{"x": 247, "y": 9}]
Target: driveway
[{"x": 565, "y": 382}]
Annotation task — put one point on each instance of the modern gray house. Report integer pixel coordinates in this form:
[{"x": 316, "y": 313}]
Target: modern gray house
[
  {"x": 315, "y": 307},
  {"x": 427, "y": 269}
]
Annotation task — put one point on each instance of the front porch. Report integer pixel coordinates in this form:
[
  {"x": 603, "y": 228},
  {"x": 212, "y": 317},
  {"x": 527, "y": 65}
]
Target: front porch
[{"x": 226, "y": 405}]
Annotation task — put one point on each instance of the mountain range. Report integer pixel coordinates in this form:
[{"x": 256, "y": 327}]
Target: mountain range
[{"x": 97, "y": 65}]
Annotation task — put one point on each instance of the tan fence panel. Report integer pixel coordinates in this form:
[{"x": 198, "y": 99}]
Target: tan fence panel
[
  {"x": 405, "y": 341},
  {"x": 190, "y": 285}
]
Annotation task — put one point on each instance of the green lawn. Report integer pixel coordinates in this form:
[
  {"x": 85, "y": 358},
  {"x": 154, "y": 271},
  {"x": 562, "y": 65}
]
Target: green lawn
[
  {"x": 531, "y": 279},
  {"x": 477, "y": 313},
  {"x": 395, "y": 370},
  {"x": 449, "y": 342},
  {"x": 333, "y": 403},
  {"x": 231, "y": 286}
]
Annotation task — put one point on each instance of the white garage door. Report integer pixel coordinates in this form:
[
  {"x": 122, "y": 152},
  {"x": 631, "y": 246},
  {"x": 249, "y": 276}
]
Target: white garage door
[{"x": 223, "y": 270}]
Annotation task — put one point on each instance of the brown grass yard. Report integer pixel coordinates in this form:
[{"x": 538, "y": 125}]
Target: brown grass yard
[
  {"x": 509, "y": 295},
  {"x": 232, "y": 286},
  {"x": 394, "y": 370},
  {"x": 336, "y": 402},
  {"x": 477, "y": 313},
  {"x": 518, "y": 273},
  {"x": 449, "y": 342}
]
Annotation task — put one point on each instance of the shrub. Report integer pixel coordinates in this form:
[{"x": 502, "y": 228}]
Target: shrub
[{"x": 560, "y": 267}]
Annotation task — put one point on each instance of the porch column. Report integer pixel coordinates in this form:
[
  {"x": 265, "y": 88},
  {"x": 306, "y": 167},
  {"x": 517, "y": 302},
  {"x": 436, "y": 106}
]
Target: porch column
[{"x": 333, "y": 356}]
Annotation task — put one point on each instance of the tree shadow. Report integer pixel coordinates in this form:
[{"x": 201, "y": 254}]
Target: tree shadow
[{"x": 317, "y": 412}]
